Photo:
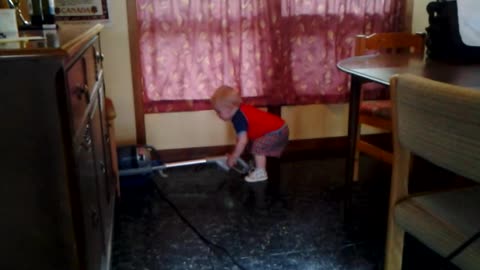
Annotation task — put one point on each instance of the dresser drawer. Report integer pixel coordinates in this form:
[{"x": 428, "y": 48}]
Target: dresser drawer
[
  {"x": 82, "y": 78},
  {"x": 78, "y": 91},
  {"x": 94, "y": 59}
]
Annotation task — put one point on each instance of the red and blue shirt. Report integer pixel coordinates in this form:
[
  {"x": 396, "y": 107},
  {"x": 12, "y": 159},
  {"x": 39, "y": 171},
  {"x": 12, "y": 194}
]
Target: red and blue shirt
[{"x": 255, "y": 122}]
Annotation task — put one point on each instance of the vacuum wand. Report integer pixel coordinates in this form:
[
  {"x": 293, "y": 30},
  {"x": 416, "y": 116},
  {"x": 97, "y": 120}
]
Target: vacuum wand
[{"x": 221, "y": 161}]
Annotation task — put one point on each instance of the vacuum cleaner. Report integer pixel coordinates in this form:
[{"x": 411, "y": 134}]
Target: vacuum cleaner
[{"x": 144, "y": 159}]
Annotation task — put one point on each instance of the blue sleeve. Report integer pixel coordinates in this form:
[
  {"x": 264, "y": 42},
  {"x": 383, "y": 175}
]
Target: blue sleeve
[{"x": 239, "y": 122}]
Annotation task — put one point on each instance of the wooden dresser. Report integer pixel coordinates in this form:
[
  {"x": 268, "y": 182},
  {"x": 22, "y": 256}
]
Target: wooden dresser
[{"x": 57, "y": 187}]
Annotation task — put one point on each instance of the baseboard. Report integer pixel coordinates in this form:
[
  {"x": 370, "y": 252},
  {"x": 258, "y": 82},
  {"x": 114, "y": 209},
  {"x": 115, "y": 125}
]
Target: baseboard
[{"x": 296, "y": 149}]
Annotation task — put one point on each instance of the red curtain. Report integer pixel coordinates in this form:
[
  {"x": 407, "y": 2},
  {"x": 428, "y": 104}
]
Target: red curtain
[{"x": 274, "y": 51}]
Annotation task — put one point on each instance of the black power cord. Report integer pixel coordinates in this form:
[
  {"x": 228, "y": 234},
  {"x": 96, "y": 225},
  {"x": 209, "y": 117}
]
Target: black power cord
[{"x": 213, "y": 247}]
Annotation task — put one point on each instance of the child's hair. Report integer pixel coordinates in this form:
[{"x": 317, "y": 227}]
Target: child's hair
[{"x": 226, "y": 96}]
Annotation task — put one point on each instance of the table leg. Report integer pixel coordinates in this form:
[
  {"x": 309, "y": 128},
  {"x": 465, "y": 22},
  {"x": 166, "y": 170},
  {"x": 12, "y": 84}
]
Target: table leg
[
  {"x": 354, "y": 105},
  {"x": 276, "y": 187}
]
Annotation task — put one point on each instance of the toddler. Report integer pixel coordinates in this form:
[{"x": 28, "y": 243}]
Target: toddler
[{"x": 266, "y": 133}]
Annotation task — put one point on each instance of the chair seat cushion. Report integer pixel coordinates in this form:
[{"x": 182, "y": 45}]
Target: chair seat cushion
[
  {"x": 378, "y": 108},
  {"x": 374, "y": 91},
  {"x": 443, "y": 221}
]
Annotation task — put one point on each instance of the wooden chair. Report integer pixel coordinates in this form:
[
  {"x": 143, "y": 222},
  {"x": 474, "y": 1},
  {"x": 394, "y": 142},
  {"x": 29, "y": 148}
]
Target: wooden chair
[
  {"x": 111, "y": 115},
  {"x": 377, "y": 113},
  {"x": 440, "y": 123}
]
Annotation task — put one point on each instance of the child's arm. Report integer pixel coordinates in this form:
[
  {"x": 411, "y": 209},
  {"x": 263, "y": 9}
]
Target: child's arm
[{"x": 242, "y": 141}]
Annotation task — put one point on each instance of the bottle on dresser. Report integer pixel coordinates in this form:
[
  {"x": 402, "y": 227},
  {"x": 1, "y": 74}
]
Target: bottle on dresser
[
  {"x": 42, "y": 13},
  {"x": 48, "y": 7},
  {"x": 36, "y": 12}
]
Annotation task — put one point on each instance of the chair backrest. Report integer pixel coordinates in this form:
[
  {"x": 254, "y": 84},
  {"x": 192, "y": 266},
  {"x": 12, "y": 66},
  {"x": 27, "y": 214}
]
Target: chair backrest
[
  {"x": 394, "y": 42},
  {"x": 439, "y": 122}
]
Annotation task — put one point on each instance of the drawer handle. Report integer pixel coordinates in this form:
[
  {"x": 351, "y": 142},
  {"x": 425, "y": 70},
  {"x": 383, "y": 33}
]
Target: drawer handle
[
  {"x": 87, "y": 144},
  {"x": 83, "y": 91},
  {"x": 99, "y": 57},
  {"x": 102, "y": 167},
  {"x": 87, "y": 139}
]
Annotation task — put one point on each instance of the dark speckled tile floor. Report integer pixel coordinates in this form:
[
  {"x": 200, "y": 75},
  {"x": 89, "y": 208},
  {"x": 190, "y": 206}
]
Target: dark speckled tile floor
[{"x": 304, "y": 232}]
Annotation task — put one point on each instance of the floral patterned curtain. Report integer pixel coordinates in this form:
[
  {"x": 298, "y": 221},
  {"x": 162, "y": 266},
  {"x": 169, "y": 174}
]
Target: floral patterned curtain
[{"x": 274, "y": 51}]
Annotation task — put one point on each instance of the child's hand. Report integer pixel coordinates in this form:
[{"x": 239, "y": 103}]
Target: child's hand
[{"x": 231, "y": 160}]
